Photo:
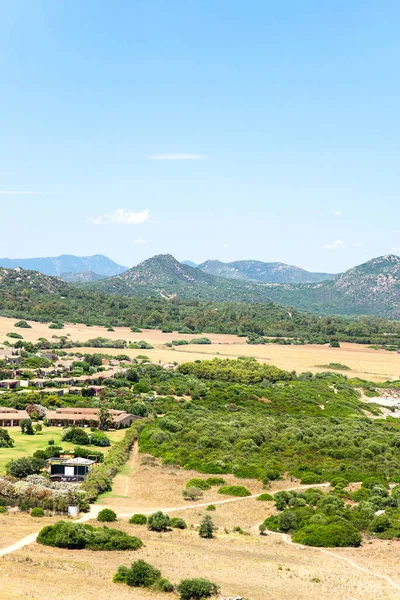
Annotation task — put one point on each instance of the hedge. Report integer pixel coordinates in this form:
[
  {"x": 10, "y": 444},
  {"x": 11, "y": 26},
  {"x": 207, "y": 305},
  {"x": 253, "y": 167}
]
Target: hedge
[{"x": 100, "y": 477}]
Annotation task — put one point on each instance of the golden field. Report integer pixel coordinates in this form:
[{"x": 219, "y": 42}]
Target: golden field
[{"x": 364, "y": 362}]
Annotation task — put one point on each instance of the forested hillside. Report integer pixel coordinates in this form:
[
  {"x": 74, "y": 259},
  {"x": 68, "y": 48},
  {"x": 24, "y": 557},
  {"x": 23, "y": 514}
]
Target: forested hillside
[{"x": 30, "y": 295}]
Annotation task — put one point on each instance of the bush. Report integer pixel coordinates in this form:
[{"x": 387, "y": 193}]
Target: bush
[
  {"x": 215, "y": 481},
  {"x": 37, "y": 512},
  {"x": 142, "y": 574},
  {"x": 192, "y": 493},
  {"x": 158, "y": 521},
  {"x": 207, "y": 528},
  {"x": 201, "y": 484},
  {"x": 106, "y": 515},
  {"x": 333, "y": 535},
  {"x": 3, "y": 509},
  {"x": 197, "y": 589},
  {"x": 311, "y": 478},
  {"x": 234, "y": 490},
  {"x": 163, "y": 585},
  {"x": 138, "y": 519},
  {"x": 23, "y": 325},
  {"x": 265, "y": 498},
  {"x": 77, "y": 536},
  {"x": 211, "y": 507},
  {"x": 76, "y": 435},
  {"x": 178, "y": 523}
]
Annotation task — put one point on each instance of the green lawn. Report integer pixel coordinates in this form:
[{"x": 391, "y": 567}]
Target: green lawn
[{"x": 26, "y": 445}]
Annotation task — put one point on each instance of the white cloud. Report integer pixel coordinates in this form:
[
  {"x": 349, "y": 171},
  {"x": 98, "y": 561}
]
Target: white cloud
[
  {"x": 176, "y": 157},
  {"x": 337, "y": 244},
  {"x": 122, "y": 216},
  {"x": 337, "y": 213},
  {"x": 141, "y": 241},
  {"x": 17, "y": 193}
]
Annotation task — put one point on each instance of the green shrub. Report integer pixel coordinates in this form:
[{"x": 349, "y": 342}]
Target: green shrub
[
  {"x": 142, "y": 574},
  {"x": 158, "y": 522},
  {"x": 37, "y": 512},
  {"x": 15, "y": 335},
  {"x": 76, "y": 536},
  {"x": 163, "y": 585},
  {"x": 106, "y": 515},
  {"x": 311, "y": 478},
  {"x": 265, "y": 498},
  {"x": 56, "y": 326},
  {"x": 178, "y": 523},
  {"x": 215, "y": 481},
  {"x": 234, "y": 490},
  {"x": 201, "y": 484},
  {"x": 332, "y": 535},
  {"x": 3, "y": 509},
  {"x": 138, "y": 519},
  {"x": 23, "y": 325},
  {"x": 211, "y": 507},
  {"x": 207, "y": 528},
  {"x": 197, "y": 589}
]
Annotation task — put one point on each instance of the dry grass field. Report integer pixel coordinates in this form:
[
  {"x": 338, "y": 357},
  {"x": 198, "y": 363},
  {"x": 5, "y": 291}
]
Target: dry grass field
[
  {"x": 254, "y": 566},
  {"x": 375, "y": 365}
]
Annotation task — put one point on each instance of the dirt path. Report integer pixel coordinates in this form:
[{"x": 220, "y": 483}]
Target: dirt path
[{"x": 352, "y": 563}]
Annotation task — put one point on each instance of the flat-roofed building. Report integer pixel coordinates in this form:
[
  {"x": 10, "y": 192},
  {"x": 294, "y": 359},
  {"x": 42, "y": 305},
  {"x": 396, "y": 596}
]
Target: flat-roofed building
[{"x": 11, "y": 417}]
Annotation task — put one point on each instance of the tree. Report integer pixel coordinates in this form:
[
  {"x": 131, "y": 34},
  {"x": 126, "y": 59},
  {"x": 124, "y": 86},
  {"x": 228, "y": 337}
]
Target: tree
[
  {"x": 158, "y": 522},
  {"x": 26, "y": 427},
  {"x": 141, "y": 574},
  {"x": 106, "y": 515},
  {"x": 24, "y": 466},
  {"x": 197, "y": 589},
  {"x": 207, "y": 528},
  {"x": 5, "y": 440},
  {"x": 105, "y": 418}
]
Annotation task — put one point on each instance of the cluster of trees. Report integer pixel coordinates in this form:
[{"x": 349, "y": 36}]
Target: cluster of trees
[
  {"x": 315, "y": 519},
  {"x": 77, "y": 536}
]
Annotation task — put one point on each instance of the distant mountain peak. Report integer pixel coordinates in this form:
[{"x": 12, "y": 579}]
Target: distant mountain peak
[
  {"x": 66, "y": 263},
  {"x": 262, "y": 272}
]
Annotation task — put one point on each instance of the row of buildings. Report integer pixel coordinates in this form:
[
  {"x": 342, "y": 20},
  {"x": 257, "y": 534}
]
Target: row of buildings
[{"x": 68, "y": 416}]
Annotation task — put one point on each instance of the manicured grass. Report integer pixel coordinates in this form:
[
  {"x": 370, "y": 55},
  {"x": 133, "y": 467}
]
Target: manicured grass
[{"x": 26, "y": 445}]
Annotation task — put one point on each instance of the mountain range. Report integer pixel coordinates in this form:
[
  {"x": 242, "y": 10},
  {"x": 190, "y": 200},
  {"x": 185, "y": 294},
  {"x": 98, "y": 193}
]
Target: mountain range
[
  {"x": 261, "y": 272},
  {"x": 372, "y": 288},
  {"x": 66, "y": 263}
]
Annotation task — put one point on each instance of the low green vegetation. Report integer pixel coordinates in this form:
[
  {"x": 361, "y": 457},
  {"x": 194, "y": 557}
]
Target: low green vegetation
[
  {"x": 106, "y": 515},
  {"x": 78, "y": 536},
  {"x": 142, "y": 574},
  {"x": 265, "y": 498},
  {"x": 335, "y": 367},
  {"x": 37, "y": 512},
  {"x": 234, "y": 490},
  {"x": 317, "y": 519},
  {"x": 158, "y": 522},
  {"x": 23, "y": 325},
  {"x": 197, "y": 589},
  {"x": 138, "y": 519}
]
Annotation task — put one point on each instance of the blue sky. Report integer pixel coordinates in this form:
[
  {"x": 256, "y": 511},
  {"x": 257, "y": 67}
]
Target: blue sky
[{"x": 203, "y": 128}]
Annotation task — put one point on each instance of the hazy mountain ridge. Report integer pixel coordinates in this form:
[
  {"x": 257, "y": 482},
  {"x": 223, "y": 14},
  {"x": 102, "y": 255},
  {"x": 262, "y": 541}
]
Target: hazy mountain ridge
[
  {"x": 66, "y": 263},
  {"x": 262, "y": 272},
  {"x": 82, "y": 277}
]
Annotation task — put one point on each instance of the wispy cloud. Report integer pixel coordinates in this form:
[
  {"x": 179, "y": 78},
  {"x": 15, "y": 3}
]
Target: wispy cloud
[
  {"x": 122, "y": 216},
  {"x": 176, "y": 157},
  {"x": 337, "y": 213},
  {"x": 337, "y": 244},
  {"x": 18, "y": 193},
  {"x": 141, "y": 241}
]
